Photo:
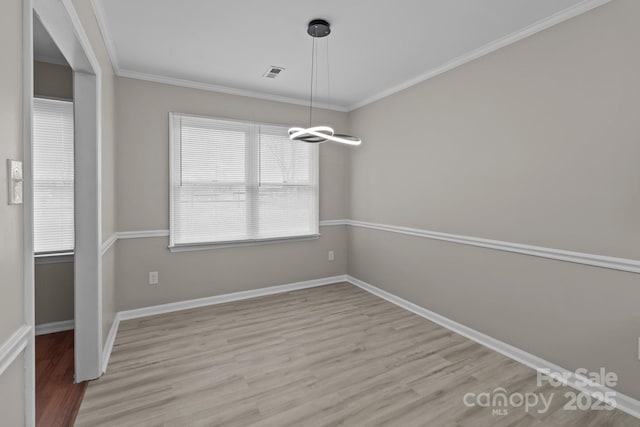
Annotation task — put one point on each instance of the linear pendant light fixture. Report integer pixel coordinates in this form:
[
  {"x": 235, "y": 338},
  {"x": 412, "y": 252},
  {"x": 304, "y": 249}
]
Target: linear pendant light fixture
[{"x": 318, "y": 28}]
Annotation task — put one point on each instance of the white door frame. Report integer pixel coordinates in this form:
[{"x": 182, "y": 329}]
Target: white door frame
[
  {"x": 27, "y": 199},
  {"x": 60, "y": 19}
]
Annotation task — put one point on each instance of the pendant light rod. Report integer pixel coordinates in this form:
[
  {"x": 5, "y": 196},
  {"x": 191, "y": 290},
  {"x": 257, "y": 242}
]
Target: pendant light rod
[
  {"x": 318, "y": 28},
  {"x": 313, "y": 54}
]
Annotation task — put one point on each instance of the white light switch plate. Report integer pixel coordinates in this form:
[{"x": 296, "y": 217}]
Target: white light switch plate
[{"x": 15, "y": 181}]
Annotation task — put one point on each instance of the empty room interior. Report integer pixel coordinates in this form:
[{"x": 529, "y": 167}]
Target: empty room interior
[{"x": 303, "y": 213}]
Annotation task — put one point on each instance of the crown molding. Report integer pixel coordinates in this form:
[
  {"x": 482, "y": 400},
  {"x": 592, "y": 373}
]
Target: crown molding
[
  {"x": 488, "y": 48},
  {"x": 224, "y": 89}
]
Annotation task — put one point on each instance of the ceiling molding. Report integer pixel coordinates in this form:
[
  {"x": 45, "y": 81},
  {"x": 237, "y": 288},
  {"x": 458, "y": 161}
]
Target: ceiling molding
[
  {"x": 541, "y": 25},
  {"x": 223, "y": 89},
  {"x": 488, "y": 48},
  {"x": 106, "y": 34}
]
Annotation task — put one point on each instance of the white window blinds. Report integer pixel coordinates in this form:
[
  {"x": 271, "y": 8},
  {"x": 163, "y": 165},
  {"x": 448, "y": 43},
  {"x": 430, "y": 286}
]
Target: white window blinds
[
  {"x": 53, "y": 176},
  {"x": 239, "y": 182}
]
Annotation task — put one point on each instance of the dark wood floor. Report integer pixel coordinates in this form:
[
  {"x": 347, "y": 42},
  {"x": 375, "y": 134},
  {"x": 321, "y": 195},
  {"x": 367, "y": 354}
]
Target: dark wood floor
[{"x": 57, "y": 397}]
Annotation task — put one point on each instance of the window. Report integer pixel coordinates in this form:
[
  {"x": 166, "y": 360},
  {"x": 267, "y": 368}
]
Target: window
[
  {"x": 53, "y": 176},
  {"x": 237, "y": 182}
]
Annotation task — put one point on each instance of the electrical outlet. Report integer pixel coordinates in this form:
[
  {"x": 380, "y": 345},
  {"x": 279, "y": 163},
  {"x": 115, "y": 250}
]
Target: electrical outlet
[
  {"x": 332, "y": 256},
  {"x": 153, "y": 277}
]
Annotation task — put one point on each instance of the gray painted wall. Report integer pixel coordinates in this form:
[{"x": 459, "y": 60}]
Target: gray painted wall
[
  {"x": 143, "y": 202},
  {"x": 54, "y": 295},
  {"x": 12, "y": 394},
  {"x": 52, "y": 80},
  {"x": 12, "y": 381},
  {"x": 536, "y": 143}
]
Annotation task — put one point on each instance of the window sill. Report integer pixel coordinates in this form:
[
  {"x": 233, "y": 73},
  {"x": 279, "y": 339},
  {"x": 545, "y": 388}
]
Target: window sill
[
  {"x": 56, "y": 258},
  {"x": 206, "y": 246}
]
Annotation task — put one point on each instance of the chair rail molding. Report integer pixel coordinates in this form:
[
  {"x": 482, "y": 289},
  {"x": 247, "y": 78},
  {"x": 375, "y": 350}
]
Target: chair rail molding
[
  {"x": 622, "y": 264},
  {"x": 106, "y": 245},
  {"x": 603, "y": 261},
  {"x": 13, "y": 346}
]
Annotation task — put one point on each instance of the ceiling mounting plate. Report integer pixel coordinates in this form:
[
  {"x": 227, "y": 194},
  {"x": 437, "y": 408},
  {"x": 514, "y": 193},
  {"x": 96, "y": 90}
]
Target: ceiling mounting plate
[{"x": 319, "y": 28}]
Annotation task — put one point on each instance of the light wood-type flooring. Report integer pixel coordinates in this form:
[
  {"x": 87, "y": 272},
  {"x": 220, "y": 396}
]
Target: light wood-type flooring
[{"x": 326, "y": 356}]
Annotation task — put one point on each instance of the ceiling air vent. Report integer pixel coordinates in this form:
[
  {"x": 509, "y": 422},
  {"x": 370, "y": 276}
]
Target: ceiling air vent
[{"x": 272, "y": 72}]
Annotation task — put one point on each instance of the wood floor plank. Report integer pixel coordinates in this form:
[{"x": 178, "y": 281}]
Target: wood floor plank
[
  {"x": 326, "y": 356},
  {"x": 57, "y": 397}
]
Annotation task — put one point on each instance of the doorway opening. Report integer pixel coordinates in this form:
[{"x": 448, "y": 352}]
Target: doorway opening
[{"x": 62, "y": 211}]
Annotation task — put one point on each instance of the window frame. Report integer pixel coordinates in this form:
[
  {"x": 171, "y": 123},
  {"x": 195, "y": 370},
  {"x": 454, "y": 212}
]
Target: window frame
[{"x": 252, "y": 158}]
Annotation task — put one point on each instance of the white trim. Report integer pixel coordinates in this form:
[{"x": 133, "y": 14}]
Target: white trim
[
  {"x": 141, "y": 234},
  {"x": 623, "y": 402},
  {"x": 63, "y": 24},
  {"x": 330, "y": 222},
  {"x": 83, "y": 39},
  {"x": 106, "y": 245},
  {"x": 222, "y": 245},
  {"x": 53, "y": 258},
  {"x": 603, "y": 261},
  {"x": 203, "y": 302},
  {"x": 106, "y": 34},
  {"x": 613, "y": 263},
  {"x": 28, "y": 251},
  {"x": 88, "y": 240},
  {"x": 53, "y": 98},
  {"x": 224, "y": 89},
  {"x": 488, "y": 48},
  {"x": 220, "y": 299},
  {"x": 13, "y": 346},
  {"x": 53, "y": 327},
  {"x": 111, "y": 339}
]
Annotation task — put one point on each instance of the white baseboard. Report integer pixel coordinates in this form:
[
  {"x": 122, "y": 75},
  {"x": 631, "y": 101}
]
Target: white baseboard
[
  {"x": 203, "y": 302},
  {"x": 219, "y": 299},
  {"x": 50, "y": 328},
  {"x": 623, "y": 402},
  {"x": 108, "y": 346}
]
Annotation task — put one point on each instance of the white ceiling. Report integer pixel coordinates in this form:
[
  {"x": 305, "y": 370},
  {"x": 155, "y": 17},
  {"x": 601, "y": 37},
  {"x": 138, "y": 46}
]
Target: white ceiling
[
  {"x": 376, "y": 46},
  {"x": 44, "y": 48}
]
